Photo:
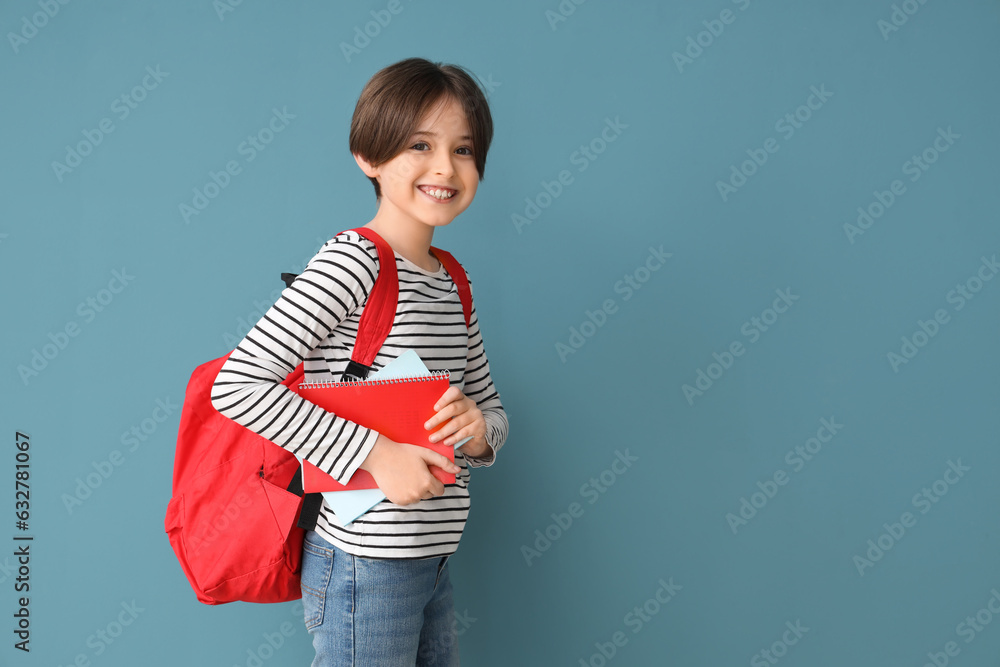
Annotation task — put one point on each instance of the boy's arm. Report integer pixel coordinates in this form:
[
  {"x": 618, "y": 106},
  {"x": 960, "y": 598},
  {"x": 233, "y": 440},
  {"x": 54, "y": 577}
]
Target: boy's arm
[
  {"x": 479, "y": 387},
  {"x": 248, "y": 388}
]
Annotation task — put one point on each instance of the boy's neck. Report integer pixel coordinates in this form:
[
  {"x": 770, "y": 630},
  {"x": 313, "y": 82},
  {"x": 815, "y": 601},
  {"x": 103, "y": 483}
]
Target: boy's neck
[{"x": 411, "y": 240}]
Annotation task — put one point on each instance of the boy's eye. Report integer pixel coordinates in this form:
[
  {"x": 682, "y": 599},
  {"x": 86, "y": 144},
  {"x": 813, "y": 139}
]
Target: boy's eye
[{"x": 468, "y": 151}]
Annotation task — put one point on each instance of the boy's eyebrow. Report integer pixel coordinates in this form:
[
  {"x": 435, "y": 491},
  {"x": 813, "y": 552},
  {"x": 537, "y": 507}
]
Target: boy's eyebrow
[{"x": 464, "y": 137}]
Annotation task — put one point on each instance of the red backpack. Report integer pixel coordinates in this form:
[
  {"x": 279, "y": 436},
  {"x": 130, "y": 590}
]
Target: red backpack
[{"x": 237, "y": 518}]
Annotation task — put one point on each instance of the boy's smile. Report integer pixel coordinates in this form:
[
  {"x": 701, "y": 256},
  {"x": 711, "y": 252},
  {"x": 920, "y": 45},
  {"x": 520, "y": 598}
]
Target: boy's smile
[
  {"x": 437, "y": 192},
  {"x": 435, "y": 177}
]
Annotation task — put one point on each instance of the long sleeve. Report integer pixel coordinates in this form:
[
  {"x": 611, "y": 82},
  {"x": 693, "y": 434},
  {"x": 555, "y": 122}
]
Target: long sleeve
[
  {"x": 248, "y": 390},
  {"x": 479, "y": 387}
]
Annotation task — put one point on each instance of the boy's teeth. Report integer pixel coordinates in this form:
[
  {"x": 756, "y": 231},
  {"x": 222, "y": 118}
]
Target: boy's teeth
[{"x": 440, "y": 194}]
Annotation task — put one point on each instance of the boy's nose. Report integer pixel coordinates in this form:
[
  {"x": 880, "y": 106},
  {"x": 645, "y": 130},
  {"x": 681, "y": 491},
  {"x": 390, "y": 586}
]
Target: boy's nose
[{"x": 443, "y": 164}]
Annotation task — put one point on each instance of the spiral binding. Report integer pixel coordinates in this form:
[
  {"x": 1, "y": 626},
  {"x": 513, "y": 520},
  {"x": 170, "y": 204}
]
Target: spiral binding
[{"x": 328, "y": 384}]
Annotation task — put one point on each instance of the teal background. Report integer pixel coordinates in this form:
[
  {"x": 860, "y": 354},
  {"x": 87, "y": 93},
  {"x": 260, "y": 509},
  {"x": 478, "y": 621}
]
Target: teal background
[{"x": 197, "y": 284}]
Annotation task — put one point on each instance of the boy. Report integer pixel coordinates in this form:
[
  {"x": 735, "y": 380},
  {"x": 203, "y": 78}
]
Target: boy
[{"x": 377, "y": 592}]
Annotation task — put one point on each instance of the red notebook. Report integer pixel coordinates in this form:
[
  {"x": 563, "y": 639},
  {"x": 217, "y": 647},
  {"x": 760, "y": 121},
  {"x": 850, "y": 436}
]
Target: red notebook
[{"x": 396, "y": 408}]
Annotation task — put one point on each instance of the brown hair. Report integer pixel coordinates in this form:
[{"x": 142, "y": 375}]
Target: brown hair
[{"x": 396, "y": 98}]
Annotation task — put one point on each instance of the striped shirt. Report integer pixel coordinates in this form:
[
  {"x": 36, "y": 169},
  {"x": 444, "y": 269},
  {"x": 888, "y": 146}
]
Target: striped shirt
[{"x": 316, "y": 320}]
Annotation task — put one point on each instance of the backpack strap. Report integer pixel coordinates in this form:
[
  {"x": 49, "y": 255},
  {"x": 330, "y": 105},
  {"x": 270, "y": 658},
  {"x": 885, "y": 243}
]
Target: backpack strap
[
  {"x": 458, "y": 276},
  {"x": 380, "y": 310}
]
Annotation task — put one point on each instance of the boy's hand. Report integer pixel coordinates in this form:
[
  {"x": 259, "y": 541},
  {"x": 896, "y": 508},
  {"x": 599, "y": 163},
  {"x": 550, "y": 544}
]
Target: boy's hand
[
  {"x": 463, "y": 419},
  {"x": 402, "y": 470}
]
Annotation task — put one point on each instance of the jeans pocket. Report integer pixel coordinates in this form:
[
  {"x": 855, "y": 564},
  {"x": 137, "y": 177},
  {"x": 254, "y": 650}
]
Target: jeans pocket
[{"x": 317, "y": 565}]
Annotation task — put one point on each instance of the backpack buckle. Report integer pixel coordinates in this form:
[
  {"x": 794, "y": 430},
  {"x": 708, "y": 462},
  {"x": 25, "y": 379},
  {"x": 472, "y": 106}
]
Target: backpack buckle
[{"x": 356, "y": 371}]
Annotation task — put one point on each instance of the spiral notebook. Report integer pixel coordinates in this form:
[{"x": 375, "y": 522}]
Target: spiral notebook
[
  {"x": 349, "y": 505},
  {"x": 396, "y": 407}
]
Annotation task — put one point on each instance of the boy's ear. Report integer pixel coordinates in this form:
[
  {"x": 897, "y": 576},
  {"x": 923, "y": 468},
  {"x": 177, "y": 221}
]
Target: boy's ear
[{"x": 366, "y": 166}]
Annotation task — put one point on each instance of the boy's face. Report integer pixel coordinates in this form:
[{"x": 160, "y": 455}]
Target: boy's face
[{"x": 435, "y": 177}]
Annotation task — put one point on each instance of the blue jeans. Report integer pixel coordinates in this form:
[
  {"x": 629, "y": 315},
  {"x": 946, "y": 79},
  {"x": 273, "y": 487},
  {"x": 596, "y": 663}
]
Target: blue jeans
[{"x": 377, "y": 612}]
